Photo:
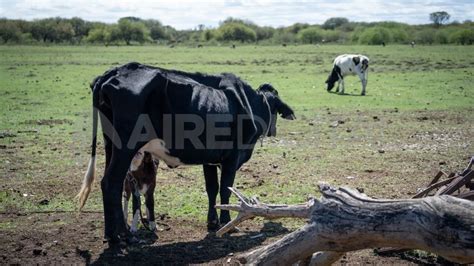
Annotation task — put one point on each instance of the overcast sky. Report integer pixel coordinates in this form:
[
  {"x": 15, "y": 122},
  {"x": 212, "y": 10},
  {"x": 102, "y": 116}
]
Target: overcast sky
[{"x": 189, "y": 14}]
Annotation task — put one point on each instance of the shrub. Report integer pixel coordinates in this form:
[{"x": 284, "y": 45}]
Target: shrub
[
  {"x": 284, "y": 37},
  {"x": 311, "y": 35},
  {"x": 441, "y": 37},
  {"x": 236, "y": 32},
  {"x": 9, "y": 31},
  {"x": 465, "y": 36},
  {"x": 399, "y": 35},
  {"x": 375, "y": 36},
  {"x": 425, "y": 36}
]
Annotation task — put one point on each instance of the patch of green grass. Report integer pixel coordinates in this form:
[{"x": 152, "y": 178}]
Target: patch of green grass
[{"x": 8, "y": 225}]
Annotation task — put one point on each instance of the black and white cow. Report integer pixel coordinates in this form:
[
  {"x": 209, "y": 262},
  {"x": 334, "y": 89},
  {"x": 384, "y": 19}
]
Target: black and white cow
[
  {"x": 348, "y": 64},
  {"x": 180, "y": 118}
]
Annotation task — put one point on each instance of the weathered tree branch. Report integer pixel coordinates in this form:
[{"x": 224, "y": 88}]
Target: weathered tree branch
[
  {"x": 346, "y": 220},
  {"x": 250, "y": 208}
]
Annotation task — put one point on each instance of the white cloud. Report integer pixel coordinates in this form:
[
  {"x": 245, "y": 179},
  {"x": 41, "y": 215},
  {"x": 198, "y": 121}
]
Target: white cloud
[{"x": 188, "y": 14}]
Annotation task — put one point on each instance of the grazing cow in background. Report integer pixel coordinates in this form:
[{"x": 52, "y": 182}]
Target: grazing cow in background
[
  {"x": 140, "y": 180},
  {"x": 135, "y": 97},
  {"x": 348, "y": 64}
]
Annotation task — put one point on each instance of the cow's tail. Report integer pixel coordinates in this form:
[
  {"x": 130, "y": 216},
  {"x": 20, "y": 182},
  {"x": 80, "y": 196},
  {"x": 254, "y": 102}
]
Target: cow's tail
[{"x": 90, "y": 174}]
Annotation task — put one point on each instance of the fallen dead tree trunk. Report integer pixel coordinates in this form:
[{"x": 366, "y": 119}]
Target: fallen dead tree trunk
[{"x": 345, "y": 220}]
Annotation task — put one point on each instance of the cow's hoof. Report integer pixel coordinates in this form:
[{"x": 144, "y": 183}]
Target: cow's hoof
[
  {"x": 213, "y": 226},
  {"x": 132, "y": 240},
  {"x": 363, "y": 94},
  {"x": 152, "y": 226},
  {"x": 116, "y": 243},
  {"x": 112, "y": 239}
]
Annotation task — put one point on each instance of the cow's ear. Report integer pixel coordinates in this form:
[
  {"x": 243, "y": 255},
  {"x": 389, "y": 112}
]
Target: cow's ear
[
  {"x": 284, "y": 110},
  {"x": 356, "y": 60},
  {"x": 267, "y": 87}
]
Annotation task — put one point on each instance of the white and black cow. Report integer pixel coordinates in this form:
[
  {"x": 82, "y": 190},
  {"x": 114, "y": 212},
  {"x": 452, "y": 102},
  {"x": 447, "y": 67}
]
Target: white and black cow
[
  {"x": 158, "y": 111},
  {"x": 348, "y": 64}
]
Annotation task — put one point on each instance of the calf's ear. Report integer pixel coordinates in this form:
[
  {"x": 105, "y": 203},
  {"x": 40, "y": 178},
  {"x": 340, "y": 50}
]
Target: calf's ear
[
  {"x": 284, "y": 110},
  {"x": 356, "y": 60}
]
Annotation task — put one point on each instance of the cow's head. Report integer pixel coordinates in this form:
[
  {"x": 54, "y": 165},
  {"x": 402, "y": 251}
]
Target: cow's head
[
  {"x": 276, "y": 106},
  {"x": 333, "y": 77}
]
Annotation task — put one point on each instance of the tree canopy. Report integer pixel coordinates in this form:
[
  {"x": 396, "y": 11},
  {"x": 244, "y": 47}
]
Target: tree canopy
[
  {"x": 134, "y": 30},
  {"x": 439, "y": 17}
]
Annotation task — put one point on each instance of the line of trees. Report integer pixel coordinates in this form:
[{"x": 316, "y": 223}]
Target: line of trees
[{"x": 133, "y": 30}]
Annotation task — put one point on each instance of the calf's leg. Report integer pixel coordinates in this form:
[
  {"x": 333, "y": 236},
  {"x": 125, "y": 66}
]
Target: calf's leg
[
  {"x": 136, "y": 205},
  {"x": 126, "y": 197},
  {"x": 150, "y": 208}
]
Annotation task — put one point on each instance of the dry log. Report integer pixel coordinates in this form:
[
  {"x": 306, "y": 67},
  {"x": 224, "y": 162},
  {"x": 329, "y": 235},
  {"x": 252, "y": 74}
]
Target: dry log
[
  {"x": 448, "y": 186},
  {"x": 345, "y": 220},
  {"x": 458, "y": 183},
  {"x": 250, "y": 208},
  {"x": 431, "y": 187},
  {"x": 437, "y": 177}
]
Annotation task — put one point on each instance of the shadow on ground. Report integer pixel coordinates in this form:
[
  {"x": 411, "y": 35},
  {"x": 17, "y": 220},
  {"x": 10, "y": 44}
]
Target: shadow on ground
[{"x": 210, "y": 248}]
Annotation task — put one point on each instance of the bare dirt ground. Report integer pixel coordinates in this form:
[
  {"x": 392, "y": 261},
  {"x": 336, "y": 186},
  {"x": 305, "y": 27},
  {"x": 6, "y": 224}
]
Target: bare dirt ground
[
  {"x": 67, "y": 238},
  {"x": 31, "y": 235}
]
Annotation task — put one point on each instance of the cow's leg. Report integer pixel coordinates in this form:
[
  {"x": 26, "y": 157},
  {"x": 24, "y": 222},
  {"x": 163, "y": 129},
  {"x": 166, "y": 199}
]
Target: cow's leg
[
  {"x": 363, "y": 81},
  {"x": 136, "y": 205},
  {"x": 112, "y": 187},
  {"x": 212, "y": 188},
  {"x": 342, "y": 85},
  {"x": 150, "y": 208},
  {"x": 108, "y": 152},
  {"x": 338, "y": 84},
  {"x": 227, "y": 180}
]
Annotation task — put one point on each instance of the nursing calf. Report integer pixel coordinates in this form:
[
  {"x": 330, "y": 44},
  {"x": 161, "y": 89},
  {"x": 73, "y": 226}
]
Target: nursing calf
[{"x": 140, "y": 180}]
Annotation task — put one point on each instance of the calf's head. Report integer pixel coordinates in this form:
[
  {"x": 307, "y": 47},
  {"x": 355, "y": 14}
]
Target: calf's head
[
  {"x": 276, "y": 106},
  {"x": 143, "y": 160}
]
